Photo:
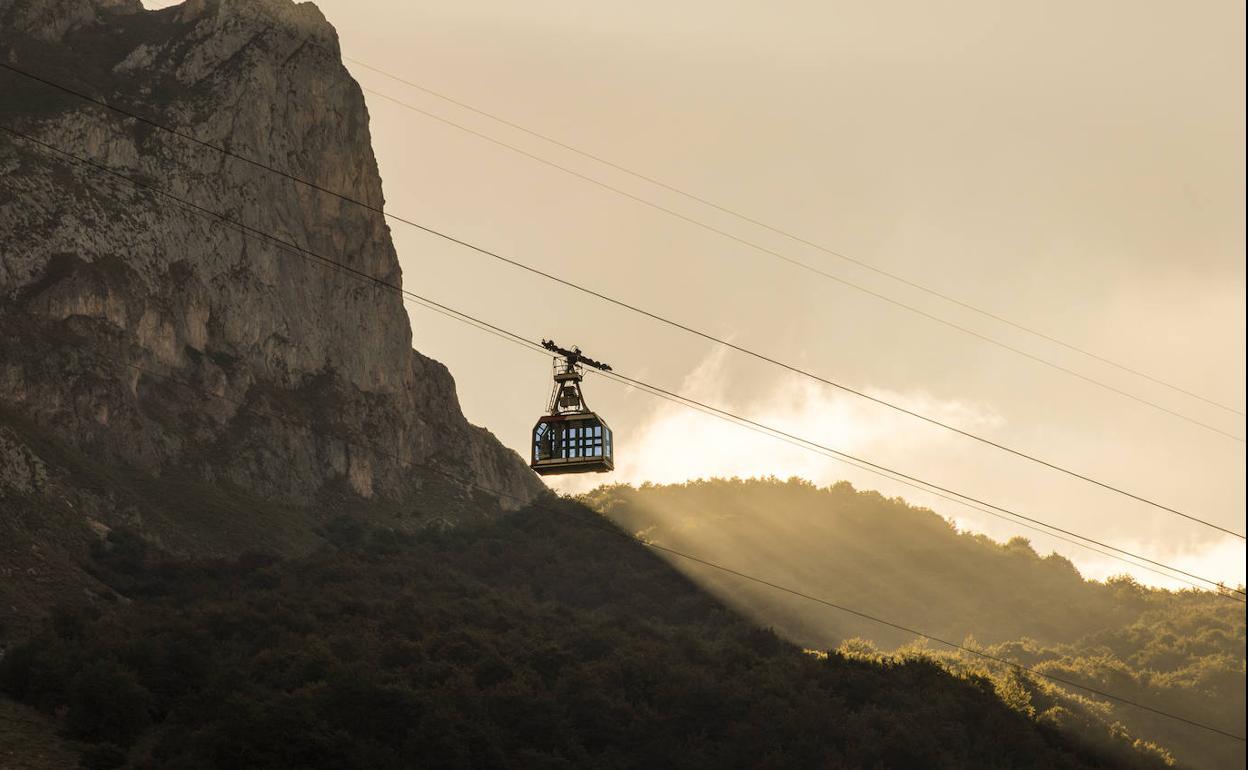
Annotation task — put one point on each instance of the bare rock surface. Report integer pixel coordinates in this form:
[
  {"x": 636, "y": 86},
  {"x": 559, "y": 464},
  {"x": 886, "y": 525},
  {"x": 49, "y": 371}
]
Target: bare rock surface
[
  {"x": 136, "y": 334},
  {"x": 21, "y": 470}
]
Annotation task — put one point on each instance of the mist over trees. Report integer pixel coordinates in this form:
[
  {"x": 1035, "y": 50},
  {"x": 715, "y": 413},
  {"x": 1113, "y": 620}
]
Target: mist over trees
[{"x": 1179, "y": 651}]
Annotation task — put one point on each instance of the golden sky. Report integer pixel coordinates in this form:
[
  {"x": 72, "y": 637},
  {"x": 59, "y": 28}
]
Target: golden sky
[{"x": 1076, "y": 167}]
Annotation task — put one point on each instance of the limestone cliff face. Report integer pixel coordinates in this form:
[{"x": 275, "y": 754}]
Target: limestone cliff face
[{"x": 110, "y": 295}]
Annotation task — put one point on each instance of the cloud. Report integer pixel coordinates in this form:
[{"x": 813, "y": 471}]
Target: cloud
[
  {"x": 676, "y": 444},
  {"x": 1223, "y": 560}
]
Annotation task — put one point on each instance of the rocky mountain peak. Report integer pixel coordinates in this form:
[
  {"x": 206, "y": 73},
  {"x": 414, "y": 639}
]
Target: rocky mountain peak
[{"x": 165, "y": 340}]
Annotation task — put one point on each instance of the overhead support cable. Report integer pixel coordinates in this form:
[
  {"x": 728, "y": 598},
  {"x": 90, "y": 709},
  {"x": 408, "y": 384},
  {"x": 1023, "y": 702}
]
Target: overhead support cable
[
  {"x": 912, "y": 481},
  {"x": 817, "y": 271},
  {"x": 736, "y": 213},
  {"x": 654, "y": 316},
  {"x": 324, "y": 261},
  {"x": 616, "y": 531}
]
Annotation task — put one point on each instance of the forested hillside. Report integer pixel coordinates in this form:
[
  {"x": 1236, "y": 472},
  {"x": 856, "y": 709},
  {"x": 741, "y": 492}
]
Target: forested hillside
[
  {"x": 1177, "y": 651},
  {"x": 541, "y": 640}
]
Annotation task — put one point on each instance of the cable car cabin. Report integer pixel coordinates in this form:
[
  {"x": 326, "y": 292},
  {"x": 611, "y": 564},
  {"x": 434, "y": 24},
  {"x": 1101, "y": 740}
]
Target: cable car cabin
[
  {"x": 571, "y": 439},
  {"x": 572, "y": 443}
]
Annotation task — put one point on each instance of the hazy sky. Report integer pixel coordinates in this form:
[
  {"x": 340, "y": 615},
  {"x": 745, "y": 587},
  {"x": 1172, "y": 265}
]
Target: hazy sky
[{"x": 1076, "y": 167}]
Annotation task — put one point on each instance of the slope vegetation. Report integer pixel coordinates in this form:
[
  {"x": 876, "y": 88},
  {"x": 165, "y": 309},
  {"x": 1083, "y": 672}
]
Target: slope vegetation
[
  {"x": 541, "y": 640},
  {"x": 1181, "y": 652}
]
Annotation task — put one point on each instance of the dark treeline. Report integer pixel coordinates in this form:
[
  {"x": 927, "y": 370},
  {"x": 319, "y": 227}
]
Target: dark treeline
[
  {"x": 538, "y": 641},
  {"x": 1178, "y": 651}
]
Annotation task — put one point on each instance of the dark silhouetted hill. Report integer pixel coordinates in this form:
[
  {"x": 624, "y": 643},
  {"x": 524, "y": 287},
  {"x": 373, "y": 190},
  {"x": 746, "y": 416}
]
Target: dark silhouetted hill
[{"x": 535, "y": 641}]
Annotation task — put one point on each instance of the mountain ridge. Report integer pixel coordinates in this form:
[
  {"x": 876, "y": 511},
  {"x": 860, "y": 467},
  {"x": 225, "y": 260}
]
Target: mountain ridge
[{"x": 144, "y": 336}]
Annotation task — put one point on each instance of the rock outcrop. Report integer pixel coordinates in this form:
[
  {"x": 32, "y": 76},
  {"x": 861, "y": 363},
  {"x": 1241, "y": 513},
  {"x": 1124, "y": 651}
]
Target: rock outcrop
[{"x": 158, "y": 338}]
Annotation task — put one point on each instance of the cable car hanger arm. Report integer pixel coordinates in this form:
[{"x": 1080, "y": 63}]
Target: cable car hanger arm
[{"x": 575, "y": 356}]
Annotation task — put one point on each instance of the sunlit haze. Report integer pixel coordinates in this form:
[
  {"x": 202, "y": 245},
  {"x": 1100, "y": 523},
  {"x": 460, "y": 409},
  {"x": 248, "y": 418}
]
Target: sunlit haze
[{"x": 1076, "y": 168}]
